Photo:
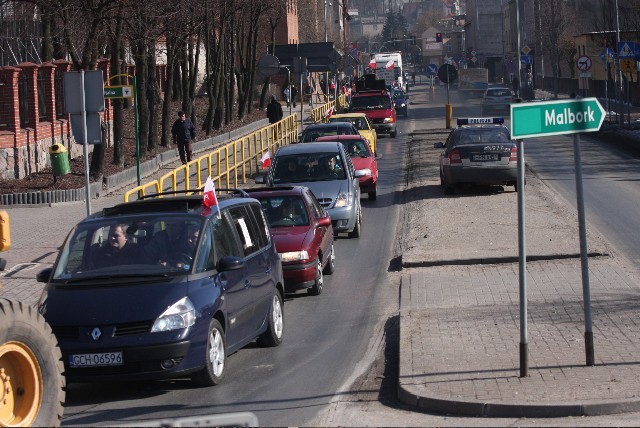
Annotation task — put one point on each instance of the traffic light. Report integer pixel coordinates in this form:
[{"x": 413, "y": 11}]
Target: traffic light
[{"x": 438, "y": 37}]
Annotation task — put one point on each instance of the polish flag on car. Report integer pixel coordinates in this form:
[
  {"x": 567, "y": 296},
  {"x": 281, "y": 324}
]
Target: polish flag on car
[
  {"x": 372, "y": 63},
  {"x": 209, "y": 198},
  {"x": 329, "y": 113},
  {"x": 389, "y": 65},
  {"x": 265, "y": 160}
]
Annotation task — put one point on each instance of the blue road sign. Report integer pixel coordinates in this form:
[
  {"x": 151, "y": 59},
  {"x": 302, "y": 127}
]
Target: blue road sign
[
  {"x": 607, "y": 53},
  {"x": 526, "y": 59},
  {"x": 432, "y": 69},
  {"x": 626, "y": 49}
]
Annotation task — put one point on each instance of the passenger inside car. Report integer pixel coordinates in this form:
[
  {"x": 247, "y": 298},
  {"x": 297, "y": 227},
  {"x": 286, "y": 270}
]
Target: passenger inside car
[{"x": 117, "y": 250}]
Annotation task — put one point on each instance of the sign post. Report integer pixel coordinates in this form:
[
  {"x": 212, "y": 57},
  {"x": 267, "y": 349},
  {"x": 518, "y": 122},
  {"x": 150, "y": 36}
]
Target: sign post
[{"x": 558, "y": 118}]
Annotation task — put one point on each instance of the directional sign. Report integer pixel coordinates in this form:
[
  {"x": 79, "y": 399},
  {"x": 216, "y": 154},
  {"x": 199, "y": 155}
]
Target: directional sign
[
  {"x": 526, "y": 59},
  {"x": 626, "y": 49},
  {"x": 584, "y": 63},
  {"x": 432, "y": 69},
  {"x": 118, "y": 91},
  {"x": 540, "y": 119},
  {"x": 606, "y": 55}
]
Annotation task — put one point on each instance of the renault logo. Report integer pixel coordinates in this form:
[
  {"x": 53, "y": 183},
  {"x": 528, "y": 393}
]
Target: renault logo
[{"x": 96, "y": 333}]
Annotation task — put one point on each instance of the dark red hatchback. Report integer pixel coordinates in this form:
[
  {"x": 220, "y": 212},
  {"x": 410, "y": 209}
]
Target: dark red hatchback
[{"x": 301, "y": 229}]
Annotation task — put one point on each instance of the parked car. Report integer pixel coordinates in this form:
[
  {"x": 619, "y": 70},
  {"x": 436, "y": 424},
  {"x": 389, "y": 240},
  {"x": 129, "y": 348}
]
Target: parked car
[
  {"x": 496, "y": 100},
  {"x": 163, "y": 288},
  {"x": 328, "y": 171},
  {"x": 363, "y": 160},
  {"x": 478, "y": 151},
  {"x": 401, "y": 101},
  {"x": 311, "y": 132},
  {"x": 301, "y": 229},
  {"x": 362, "y": 124}
]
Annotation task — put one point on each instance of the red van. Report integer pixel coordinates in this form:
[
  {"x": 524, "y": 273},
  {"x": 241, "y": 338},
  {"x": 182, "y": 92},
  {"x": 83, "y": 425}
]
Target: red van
[{"x": 379, "y": 107}]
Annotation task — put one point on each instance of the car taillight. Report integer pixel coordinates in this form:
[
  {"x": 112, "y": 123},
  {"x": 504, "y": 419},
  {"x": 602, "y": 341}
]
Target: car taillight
[
  {"x": 514, "y": 154},
  {"x": 454, "y": 157}
]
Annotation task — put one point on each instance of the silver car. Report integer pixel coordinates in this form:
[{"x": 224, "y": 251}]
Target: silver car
[
  {"x": 328, "y": 171},
  {"x": 496, "y": 100},
  {"x": 478, "y": 153}
]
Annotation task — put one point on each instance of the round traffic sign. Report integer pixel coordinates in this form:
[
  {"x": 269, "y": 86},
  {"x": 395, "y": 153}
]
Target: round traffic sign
[
  {"x": 583, "y": 63},
  {"x": 268, "y": 65},
  {"x": 447, "y": 73}
]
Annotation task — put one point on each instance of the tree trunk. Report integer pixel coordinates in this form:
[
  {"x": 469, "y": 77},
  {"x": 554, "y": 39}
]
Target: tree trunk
[
  {"x": 165, "y": 139},
  {"x": 118, "y": 104},
  {"x": 96, "y": 170},
  {"x": 140, "y": 57},
  {"x": 154, "y": 99}
]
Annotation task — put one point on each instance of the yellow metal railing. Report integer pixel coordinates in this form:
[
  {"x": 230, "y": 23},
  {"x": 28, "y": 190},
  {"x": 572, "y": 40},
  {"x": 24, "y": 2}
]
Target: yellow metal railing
[
  {"x": 227, "y": 165},
  {"x": 318, "y": 113}
]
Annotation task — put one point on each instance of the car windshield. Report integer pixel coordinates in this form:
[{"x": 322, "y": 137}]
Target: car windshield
[
  {"x": 357, "y": 148},
  {"x": 481, "y": 135},
  {"x": 304, "y": 167},
  {"x": 371, "y": 103},
  {"x": 284, "y": 211},
  {"x": 311, "y": 134},
  {"x": 141, "y": 245}
]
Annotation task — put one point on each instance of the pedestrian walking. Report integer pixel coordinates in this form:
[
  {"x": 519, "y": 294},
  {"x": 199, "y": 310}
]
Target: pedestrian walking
[
  {"x": 183, "y": 132},
  {"x": 287, "y": 95},
  {"x": 274, "y": 111},
  {"x": 515, "y": 84},
  {"x": 294, "y": 93}
]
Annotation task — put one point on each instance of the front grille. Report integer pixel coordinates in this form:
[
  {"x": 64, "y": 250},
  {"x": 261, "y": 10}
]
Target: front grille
[
  {"x": 132, "y": 328},
  {"x": 325, "y": 202},
  {"x": 120, "y": 330},
  {"x": 377, "y": 121}
]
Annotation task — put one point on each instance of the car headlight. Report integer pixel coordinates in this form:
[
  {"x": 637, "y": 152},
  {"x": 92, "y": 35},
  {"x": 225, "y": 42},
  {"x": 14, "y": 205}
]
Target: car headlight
[
  {"x": 181, "y": 314},
  {"x": 294, "y": 256},
  {"x": 388, "y": 119},
  {"x": 343, "y": 200},
  {"x": 403, "y": 105}
]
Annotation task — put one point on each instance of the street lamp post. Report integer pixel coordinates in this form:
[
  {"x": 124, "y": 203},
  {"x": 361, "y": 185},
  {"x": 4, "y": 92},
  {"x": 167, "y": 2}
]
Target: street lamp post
[{"x": 326, "y": 39}]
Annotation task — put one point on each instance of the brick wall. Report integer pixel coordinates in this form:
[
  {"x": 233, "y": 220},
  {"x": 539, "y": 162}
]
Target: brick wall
[{"x": 25, "y": 140}]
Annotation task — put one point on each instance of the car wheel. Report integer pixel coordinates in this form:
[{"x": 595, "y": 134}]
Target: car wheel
[
  {"x": 330, "y": 267},
  {"x": 357, "y": 229},
  {"x": 449, "y": 190},
  {"x": 215, "y": 358},
  {"x": 316, "y": 288},
  {"x": 275, "y": 324}
]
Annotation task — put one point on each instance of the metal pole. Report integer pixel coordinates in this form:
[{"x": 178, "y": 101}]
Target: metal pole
[
  {"x": 606, "y": 80},
  {"x": 584, "y": 260},
  {"x": 619, "y": 70},
  {"x": 522, "y": 250},
  {"x": 518, "y": 47},
  {"x": 135, "y": 114},
  {"x": 85, "y": 145}
]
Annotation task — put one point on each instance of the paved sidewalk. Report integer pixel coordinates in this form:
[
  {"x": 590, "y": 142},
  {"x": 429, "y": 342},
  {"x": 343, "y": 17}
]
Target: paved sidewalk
[{"x": 460, "y": 305}]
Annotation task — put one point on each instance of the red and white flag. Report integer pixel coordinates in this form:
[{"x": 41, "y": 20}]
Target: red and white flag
[
  {"x": 266, "y": 160},
  {"x": 372, "y": 63},
  {"x": 329, "y": 112},
  {"x": 389, "y": 65},
  {"x": 209, "y": 198}
]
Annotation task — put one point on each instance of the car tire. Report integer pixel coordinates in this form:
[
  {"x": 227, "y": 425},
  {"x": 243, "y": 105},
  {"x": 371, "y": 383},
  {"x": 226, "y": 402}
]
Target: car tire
[
  {"x": 373, "y": 195},
  {"x": 449, "y": 190},
  {"x": 215, "y": 357},
  {"x": 275, "y": 324},
  {"x": 330, "y": 267},
  {"x": 318, "y": 284},
  {"x": 30, "y": 355},
  {"x": 357, "y": 229}
]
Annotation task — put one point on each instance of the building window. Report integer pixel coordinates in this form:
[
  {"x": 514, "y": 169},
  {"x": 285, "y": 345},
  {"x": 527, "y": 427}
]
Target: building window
[
  {"x": 42, "y": 96},
  {"x": 23, "y": 104}
]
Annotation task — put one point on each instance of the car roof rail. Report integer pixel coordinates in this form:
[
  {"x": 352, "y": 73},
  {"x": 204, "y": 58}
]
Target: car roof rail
[{"x": 193, "y": 192}]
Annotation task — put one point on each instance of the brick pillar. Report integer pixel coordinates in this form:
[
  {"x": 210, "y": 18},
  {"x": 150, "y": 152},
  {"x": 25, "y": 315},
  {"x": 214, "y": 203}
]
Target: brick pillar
[
  {"x": 47, "y": 71},
  {"x": 30, "y": 72},
  {"x": 10, "y": 117},
  {"x": 104, "y": 65}
]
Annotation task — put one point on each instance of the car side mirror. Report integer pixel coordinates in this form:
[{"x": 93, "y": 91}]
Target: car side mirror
[
  {"x": 260, "y": 179},
  {"x": 230, "y": 263},
  {"x": 439, "y": 145},
  {"x": 324, "y": 221},
  {"x": 360, "y": 173},
  {"x": 44, "y": 275}
]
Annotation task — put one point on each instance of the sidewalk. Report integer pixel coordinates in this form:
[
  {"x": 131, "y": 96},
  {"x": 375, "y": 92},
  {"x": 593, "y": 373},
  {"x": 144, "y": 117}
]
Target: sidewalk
[{"x": 460, "y": 306}]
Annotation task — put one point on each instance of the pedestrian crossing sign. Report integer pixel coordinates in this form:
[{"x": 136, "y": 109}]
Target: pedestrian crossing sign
[{"x": 626, "y": 50}]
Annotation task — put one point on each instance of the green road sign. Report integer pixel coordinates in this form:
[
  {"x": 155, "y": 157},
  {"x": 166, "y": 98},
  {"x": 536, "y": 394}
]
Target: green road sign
[
  {"x": 556, "y": 117},
  {"x": 118, "y": 91}
]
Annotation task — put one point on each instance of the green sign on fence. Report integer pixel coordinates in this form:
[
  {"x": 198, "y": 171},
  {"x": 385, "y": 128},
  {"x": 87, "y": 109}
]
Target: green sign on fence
[
  {"x": 539, "y": 119},
  {"x": 118, "y": 91}
]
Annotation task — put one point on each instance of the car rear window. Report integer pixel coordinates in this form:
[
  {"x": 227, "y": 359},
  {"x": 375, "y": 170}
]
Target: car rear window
[
  {"x": 498, "y": 93},
  {"x": 481, "y": 135}
]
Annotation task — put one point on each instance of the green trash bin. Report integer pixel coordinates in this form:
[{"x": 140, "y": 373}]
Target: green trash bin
[{"x": 59, "y": 159}]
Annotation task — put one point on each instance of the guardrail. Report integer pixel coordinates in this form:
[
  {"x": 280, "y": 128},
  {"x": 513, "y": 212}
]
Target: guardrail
[
  {"x": 318, "y": 113},
  {"x": 229, "y": 164}
]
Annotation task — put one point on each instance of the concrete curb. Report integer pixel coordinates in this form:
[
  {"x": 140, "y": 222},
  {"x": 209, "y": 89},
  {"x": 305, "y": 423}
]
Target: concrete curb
[{"x": 497, "y": 260}]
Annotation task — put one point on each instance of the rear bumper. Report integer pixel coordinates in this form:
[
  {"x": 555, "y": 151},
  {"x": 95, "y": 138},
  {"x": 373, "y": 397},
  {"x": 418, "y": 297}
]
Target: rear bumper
[{"x": 480, "y": 175}]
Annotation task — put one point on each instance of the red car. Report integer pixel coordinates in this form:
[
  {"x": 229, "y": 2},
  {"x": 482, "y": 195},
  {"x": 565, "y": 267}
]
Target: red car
[
  {"x": 301, "y": 229},
  {"x": 362, "y": 157}
]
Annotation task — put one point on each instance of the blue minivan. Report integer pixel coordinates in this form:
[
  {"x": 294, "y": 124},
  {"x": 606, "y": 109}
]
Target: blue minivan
[{"x": 164, "y": 287}]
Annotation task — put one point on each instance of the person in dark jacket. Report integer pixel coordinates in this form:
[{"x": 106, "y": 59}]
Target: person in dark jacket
[
  {"x": 294, "y": 94},
  {"x": 274, "y": 111},
  {"x": 183, "y": 132}
]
